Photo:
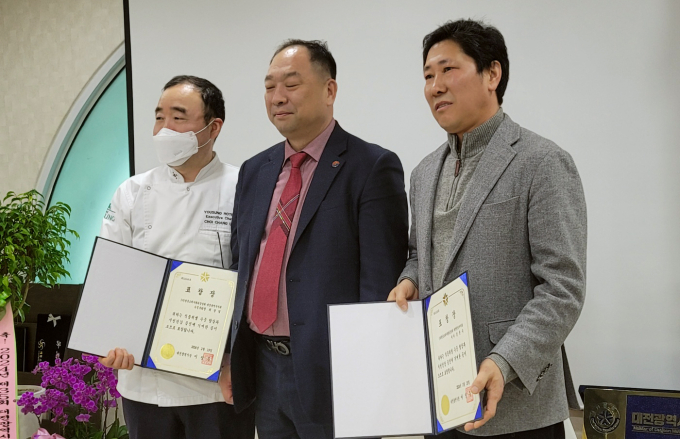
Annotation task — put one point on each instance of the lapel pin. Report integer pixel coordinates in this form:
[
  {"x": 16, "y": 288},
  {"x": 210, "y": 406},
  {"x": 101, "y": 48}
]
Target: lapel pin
[{"x": 335, "y": 164}]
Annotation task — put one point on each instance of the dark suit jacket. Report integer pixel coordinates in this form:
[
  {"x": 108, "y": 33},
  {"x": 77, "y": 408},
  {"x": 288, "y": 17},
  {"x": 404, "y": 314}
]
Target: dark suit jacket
[{"x": 350, "y": 246}]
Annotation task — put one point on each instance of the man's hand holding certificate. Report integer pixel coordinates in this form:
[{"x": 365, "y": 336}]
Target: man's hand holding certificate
[
  {"x": 118, "y": 358},
  {"x": 490, "y": 378}
]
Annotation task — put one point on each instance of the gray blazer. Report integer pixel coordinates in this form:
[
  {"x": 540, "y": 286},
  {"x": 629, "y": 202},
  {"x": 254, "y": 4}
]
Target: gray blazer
[{"x": 521, "y": 236}]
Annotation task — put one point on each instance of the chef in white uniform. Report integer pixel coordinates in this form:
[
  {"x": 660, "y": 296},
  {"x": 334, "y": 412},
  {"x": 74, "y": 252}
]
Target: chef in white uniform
[{"x": 181, "y": 210}]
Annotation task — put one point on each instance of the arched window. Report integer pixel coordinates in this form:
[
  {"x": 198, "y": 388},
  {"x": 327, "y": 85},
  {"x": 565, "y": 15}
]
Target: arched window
[{"x": 94, "y": 160}]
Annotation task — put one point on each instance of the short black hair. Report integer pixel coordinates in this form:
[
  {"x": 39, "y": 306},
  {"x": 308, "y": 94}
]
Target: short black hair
[
  {"x": 481, "y": 42},
  {"x": 318, "y": 54},
  {"x": 213, "y": 102}
]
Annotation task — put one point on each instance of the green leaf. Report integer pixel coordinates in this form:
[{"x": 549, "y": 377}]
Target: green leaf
[
  {"x": 113, "y": 431},
  {"x": 119, "y": 432},
  {"x": 33, "y": 244}
]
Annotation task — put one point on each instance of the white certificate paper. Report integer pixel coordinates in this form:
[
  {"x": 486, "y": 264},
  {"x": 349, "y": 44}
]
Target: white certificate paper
[
  {"x": 396, "y": 373},
  {"x": 118, "y": 301},
  {"x": 193, "y": 323},
  {"x": 379, "y": 370}
]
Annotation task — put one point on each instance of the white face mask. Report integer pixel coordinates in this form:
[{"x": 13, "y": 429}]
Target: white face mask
[{"x": 173, "y": 148}]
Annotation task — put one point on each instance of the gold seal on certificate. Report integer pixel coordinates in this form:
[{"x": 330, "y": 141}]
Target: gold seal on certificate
[
  {"x": 445, "y": 405},
  {"x": 167, "y": 351}
]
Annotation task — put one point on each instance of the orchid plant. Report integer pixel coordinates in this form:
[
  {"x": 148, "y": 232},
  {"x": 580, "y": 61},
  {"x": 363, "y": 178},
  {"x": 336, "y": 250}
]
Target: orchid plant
[{"x": 73, "y": 397}]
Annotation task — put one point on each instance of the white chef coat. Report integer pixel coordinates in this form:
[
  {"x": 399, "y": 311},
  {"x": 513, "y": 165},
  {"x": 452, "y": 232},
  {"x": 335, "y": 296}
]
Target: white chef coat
[{"x": 158, "y": 212}]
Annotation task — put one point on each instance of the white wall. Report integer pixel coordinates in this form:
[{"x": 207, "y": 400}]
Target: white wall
[
  {"x": 600, "y": 78},
  {"x": 49, "y": 51}
]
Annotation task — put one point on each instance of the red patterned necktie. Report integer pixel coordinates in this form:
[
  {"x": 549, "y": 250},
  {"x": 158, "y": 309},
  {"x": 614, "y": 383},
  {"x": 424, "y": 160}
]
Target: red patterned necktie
[{"x": 266, "y": 294}]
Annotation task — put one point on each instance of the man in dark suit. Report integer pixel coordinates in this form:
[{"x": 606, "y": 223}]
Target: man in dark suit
[{"x": 318, "y": 219}]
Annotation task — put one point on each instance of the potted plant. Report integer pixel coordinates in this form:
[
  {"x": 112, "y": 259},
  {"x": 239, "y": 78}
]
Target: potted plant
[
  {"x": 33, "y": 247},
  {"x": 77, "y": 399}
]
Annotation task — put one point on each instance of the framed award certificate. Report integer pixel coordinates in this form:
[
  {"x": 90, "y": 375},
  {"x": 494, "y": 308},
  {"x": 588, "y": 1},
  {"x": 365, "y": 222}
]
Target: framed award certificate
[
  {"x": 170, "y": 315},
  {"x": 397, "y": 373}
]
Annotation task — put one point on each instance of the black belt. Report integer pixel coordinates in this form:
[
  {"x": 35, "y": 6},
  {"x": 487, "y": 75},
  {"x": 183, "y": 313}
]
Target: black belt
[{"x": 280, "y": 345}]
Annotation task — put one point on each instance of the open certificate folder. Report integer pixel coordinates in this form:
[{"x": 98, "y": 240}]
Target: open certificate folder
[
  {"x": 398, "y": 373},
  {"x": 171, "y": 315}
]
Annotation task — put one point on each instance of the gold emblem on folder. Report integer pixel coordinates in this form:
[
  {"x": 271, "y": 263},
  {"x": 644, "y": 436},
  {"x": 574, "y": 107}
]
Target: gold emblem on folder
[
  {"x": 446, "y": 405},
  {"x": 167, "y": 351}
]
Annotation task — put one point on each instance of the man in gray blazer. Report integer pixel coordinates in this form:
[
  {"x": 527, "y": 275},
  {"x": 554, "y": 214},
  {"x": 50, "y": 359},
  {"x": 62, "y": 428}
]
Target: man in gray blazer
[{"x": 507, "y": 206}]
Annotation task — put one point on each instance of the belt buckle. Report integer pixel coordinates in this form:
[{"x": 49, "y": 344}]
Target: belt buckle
[{"x": 278, "y": 346}]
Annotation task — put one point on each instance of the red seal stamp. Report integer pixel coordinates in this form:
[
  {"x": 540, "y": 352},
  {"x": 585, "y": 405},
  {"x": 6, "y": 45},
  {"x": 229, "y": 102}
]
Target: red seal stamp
[
  {"x": 207, "y": 359},
  {"x": 468, "y": 395}
]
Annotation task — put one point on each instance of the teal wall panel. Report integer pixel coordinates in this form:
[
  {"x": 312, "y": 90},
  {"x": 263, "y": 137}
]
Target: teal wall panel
[{"x": 97, "y": 163}]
